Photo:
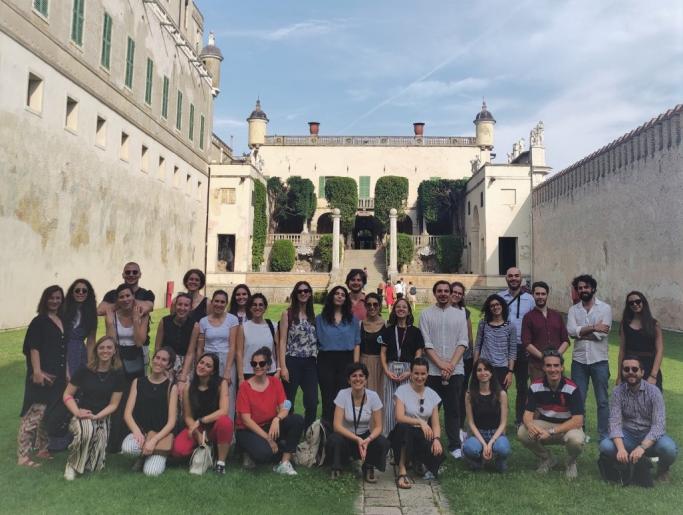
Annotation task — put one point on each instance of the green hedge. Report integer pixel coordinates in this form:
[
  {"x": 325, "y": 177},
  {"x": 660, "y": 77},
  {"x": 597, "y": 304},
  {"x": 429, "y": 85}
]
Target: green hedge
[
  {"x": 323, "y": 252},
  {"x": 406, "y": 249},
  {"x": 260, "y": 225},
  {"x": 437, "y": 201},
  {"x": 390, "y": 192},
  {"x": 449, "y": 253},
  {"x": 282, "y": 256},
  {"x": 342, "y": 193}
]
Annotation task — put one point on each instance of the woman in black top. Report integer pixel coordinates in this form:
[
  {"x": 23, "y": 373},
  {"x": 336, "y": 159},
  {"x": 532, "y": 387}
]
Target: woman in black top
[
  {"x": 175, "y": 331},
  {"x": 641, "y": 335},
  {"x": 402, "y": 342},
  {"x": 45, "y": 351},
  {"x": 151, "y": 414},
  {"x": 371, "y": 337},
  {"x": 239, "y": 299},
  {"x": 194, "y": 281},
  {"x": 100, "y": 386}
]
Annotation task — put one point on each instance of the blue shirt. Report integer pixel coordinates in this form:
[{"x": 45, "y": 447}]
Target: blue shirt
[
  {"x": 341, "y": 337},
  {"x": 518, "y": 307}
]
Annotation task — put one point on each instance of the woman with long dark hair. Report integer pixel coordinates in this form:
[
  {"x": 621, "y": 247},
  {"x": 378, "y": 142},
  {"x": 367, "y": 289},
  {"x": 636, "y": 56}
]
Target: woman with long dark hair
[
  {"x": 45, "y": 352},
  {"x": 298, "y": 350},
  {"x": 458, "y": 302},
  {"x": 254, "y": 334},
  {"x": 371, "y": 338},
  {"x": 339, "y": 339},
  {"x": 80, "y": 323},
  {"x": 205, "y": 406},
  {"x": 641, "y": 335},
  {"x": 239, "y": 299},
  {"x": 486, "y": 404},
  {"x": 497, "y": 340},
  {"x": 175, "y": 332}
]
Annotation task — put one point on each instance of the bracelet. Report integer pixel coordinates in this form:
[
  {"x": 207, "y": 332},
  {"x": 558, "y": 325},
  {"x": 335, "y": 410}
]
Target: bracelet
[
  {"x": 653, "y": 377},
  {"x": 67, "y": 399},
  {"x": 511, "y": 371},
  {"x": 437, "y": 438}
]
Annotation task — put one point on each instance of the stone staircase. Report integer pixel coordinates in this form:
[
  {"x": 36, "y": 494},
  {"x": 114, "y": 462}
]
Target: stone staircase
[{"x": 373, "y": 260}]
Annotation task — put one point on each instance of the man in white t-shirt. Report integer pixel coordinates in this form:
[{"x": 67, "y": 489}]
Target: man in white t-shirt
[{"x": 399, "y": 288}]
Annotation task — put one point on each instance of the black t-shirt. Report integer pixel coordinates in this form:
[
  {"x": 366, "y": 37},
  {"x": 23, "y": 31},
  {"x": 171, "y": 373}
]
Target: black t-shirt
[
  {"x": 96, "y": 387},
  {"x": 177, "y": 336},
  {"x": 410, "y": 341},
  {"x": 370, "y": 343},
  {"x": 140, "y": 294}
]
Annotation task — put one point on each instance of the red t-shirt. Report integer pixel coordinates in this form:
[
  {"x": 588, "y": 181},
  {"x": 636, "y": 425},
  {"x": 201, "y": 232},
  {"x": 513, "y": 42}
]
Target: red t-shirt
[{"x": 262, "y": 406}]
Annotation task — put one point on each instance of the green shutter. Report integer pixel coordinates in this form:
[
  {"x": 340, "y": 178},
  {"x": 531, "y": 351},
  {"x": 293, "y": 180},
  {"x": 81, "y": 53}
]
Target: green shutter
[
  {"x": 191, "y": 126},
  {"x": 105, "y": 58},
  {"x": 148, "y": 83},
  {"x": 321, "y": 186},
  {"x": 364, "y": 187},
  {"x": 164, "y": 99},
  {"x": 179, "y": 112},
  {"x": 201, "y": 132},
  {"x": 77, "y": 18},
  {"x": 40, "y": 6},
  {"x": 130, "y": 60}
]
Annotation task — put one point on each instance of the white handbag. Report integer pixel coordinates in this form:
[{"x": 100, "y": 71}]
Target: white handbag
[{"x": 202, "y": 457}]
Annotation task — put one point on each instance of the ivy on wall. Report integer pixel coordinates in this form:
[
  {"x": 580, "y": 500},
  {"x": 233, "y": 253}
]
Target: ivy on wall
[
  {"x": 390, "y": 192},
  {"x": 260, "y": 225},
  {"x": 292, "y": 204},
  {"x": 342, "y": 193},
  {"x": 405, "y": 248},
  {"x": 437, "y": 201}
]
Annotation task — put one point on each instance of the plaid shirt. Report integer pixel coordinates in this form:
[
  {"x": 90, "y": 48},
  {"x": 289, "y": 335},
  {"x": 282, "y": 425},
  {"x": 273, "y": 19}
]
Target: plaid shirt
[{"x": 638, "y": 413}]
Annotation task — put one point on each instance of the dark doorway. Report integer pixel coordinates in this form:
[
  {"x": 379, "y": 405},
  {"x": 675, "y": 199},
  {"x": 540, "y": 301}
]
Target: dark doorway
[
  {"x": 225, "y": 261},
  {"x": 324, "y": 224},
  {"x": 507, "y": 254},
  {"x": 365, "y": 232}
]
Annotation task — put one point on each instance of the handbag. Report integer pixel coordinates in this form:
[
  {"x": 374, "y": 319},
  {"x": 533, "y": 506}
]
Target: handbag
[
  {"x": 132, "y": 358},
  {"x": 202, "y": 457},
  {"x": 163, "y": 446}
]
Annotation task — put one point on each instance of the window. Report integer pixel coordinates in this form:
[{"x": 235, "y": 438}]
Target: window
[
  {"x": 77, "y": 18},
  {"x": 509, "y": 197},
  {"x": 144, "y": 159},
  {"x": 227, "y": 195},
  {"x": 40, "y": 6},
  {"x": 123, "y": 152},
  {"x": 71, "y": 117},
  {"x": 191, "y": 129},
  {"x": 34, "y": 93},
  {"x": 176, "y": 177},
  {"x": 201, "y": 132},
  {"x": 364, "y": 187},
  {"x": 130, "y": 59},
  {"x": 481, "y": 199},
  {"x": 321, "y": 186},
  {"x": 179, "y": 112},
  {"x": 199, "y": 190},
  {"x": 164, "y": 99},
  {"x": 225, "y": 260},
  {"x": 148, "y": 82},
  {"x": 105, "y": 57},
  {"x": 469, "y": 211},
  {"x": 161, "y": 169},
  {"x": 101, "y": 132}
]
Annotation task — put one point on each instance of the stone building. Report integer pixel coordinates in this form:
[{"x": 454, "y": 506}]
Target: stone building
[{"x": 106, "y": 119}]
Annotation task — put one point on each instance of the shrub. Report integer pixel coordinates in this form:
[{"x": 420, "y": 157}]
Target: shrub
[
  {"x": 405, "y": 248},
  {"x": 282, "y": 256},
  {"x": 319, "y": 296},
  {"x": 323, "y": 252},
  {"x": 448, "y": 253},
  {"x": 390, "y": 192},
  {"x": 437, "y": 201},
  {"x": 260, "y": 225},
  {"x": 342, "y": 193}
]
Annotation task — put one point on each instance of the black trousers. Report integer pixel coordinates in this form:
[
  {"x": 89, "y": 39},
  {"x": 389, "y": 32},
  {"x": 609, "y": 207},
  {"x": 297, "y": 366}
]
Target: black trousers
[
  {"x": 332, "y": 378},
  {"x": 450, "y": 399},
  {"x": 303, "y": 372},
  {"x": 418, "y": 448},
  {"x": 291, "y": 429},
  {"x": 521, "y": 383},
  {"x": 340, "y": 450},
  {"x": 468, "y": 364}
]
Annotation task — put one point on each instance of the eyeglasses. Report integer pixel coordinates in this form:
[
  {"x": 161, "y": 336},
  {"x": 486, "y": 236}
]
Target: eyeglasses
[
  {"x": 303, "y": 290},
  {"x": 422, "y": 405},
  {"x": 80, "y": 290},
  {"x": 633, "y": 370},
  {"x": 372, "y": 304},
  {"x": 258, "y": 364},
  {"x": 635, "y": 302},
  {"x": 131, "y": 272},
  {"x": 259, "y": 306}
]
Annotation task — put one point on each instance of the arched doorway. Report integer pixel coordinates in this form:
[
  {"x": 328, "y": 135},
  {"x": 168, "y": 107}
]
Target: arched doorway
[
  {"x": 405, "y": 225},
  {"x": 324, "y": 225},
  {"x": 366, "y": 232}
]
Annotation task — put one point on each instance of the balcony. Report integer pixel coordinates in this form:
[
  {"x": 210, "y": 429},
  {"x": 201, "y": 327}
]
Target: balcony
[
  {"x": 366, "y": 204},
  {"x": 298, "y": 239}
]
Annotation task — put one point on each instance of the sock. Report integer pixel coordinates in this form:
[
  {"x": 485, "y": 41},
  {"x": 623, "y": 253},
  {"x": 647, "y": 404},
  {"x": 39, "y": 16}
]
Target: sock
[{"x": 221, "y": 463}]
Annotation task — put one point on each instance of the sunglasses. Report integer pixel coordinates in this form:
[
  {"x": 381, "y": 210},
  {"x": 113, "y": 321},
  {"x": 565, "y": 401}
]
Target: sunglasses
[
  {"x": 303, "y": 290},
  {"x": 258, "y": 364},
  {"x": 633, "y": 370},
  {"x": 131, "y": 272},
  {"x": 372, "y": 304},
  {"x": 422, "y": 405},
  {"x": 635, "y": 302},
  {"x": 80, "y": 290}
]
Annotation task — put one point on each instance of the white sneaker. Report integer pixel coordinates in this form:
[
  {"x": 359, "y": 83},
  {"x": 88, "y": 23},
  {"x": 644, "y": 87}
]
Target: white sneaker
[
  {"x": 69, "y": 473},
  {"x": 456, "y": 453},
  {"x": 546, "y": 464},
  {"x": 428, "y": 476},
  {"x": 285, "y": 468}
]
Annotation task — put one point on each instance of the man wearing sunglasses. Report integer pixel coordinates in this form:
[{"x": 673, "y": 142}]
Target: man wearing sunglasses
[
  {"x": 637, "y": 422},
  {"x": 144, "y": 299}
]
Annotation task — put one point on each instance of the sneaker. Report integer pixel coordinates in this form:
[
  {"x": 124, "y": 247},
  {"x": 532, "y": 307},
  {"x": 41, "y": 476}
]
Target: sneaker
[
  {"x": 586, "y": 439},
  {"x": 428, "y": 476},
  {"x": 571, "y": 473},
  {"x": 247, "y": 462},
  {"x": 546, "y": 464},
  {"x": 463, "y": 435},
  {"x": 285, "y": 468},
  {"x": 456, "y": 453},
  {"x": 219, "y": 468},
  {"x": 69, "y": 473},
  {"x": 357, "y": 468}
]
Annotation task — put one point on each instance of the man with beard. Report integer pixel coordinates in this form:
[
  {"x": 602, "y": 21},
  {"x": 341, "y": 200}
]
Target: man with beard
[
  {"x": 589, "y": 322},
  {"x": 519, "y": 304},
  {"x": 637, "y": 422},
  {"x": 542, "y": 328},
  {"x": 355, "y": 282}
]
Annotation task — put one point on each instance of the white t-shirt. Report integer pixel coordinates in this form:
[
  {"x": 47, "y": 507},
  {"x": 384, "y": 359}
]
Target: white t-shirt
[
  {"x": 411, "y": 401},
  {"x": 255, "y": 337},
  {"x": 398, "y": 288},
  {"x": 372, "y": 403}
]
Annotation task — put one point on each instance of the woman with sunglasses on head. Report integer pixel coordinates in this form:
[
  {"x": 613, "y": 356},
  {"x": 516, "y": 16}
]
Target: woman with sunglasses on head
[
  {"x": 486, "y": 405},
  {"x": 150, "y": 415},
  {"x": 265, "y": 428},
  {"x": 402, "y": 342},
  {"x": 371, "y": 337},
  {"x": 298, "y": 350},
  {"x": 338, "y": 333},
  {"x": 458, "y": 302},
  {"x": 497, "y": 340},
  {"x": 254, "y": 334},
  {"x": 80, "y": 323},
  {"x": 417, "y": 435},
  {"x": 239, "y": 301},
  {"x": 194, "y": 281},
  {"x": 205, "y": 408},
  {"x": 45, "y": 352},
  {"x": 175, "y": 332},
  {"x": 641, "y": 335},
  {"x": 100, "y": 387}
]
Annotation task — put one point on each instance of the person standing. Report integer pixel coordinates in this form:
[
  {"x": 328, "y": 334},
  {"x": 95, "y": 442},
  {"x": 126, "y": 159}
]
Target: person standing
[
  {"x": 444, "y": 330},
  {"x": 194, "y": 281},
  {"x": 175, "y": 331},
  {"x": 380, "y": 294},
  {"x": 239, "y": 301},
  {"x": 399, "y": 289},
  {"x": 252, "y": 335},
  {"x": 519, "y": 304},
  {"x": 355, "y": 282},
  {"x": 497, "y": 340},
  {"x": 371, "y": 338},
  {"x": 458, "y": 302},
  {"x": 390, "y": 295},
  {"x": 80, "y": 323},
  {"x": 542, "y": 328},
  {"x": 412, "y": 294},
  {"x": 589, "y": 322}
]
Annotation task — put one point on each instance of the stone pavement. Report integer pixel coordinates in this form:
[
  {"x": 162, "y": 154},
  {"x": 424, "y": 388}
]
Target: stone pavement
[{"x": 384, "y": 498}]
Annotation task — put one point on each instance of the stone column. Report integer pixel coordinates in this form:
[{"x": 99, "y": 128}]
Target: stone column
[
  {"x": 336, "y": 218},
  {"x": 393, "y": 243}
]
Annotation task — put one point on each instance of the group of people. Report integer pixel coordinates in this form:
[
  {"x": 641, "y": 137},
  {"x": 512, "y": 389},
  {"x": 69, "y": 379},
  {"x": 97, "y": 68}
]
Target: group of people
[
  {"x": 221, "y": 370},
  {"x": 389, "y": 292}
]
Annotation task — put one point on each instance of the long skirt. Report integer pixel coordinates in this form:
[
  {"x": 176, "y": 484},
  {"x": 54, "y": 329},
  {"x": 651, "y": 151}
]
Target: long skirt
[
  {"x": 376, "y": 377},
  {"x": 87, "y": 451},
  {"x": 390, "y": 387}
]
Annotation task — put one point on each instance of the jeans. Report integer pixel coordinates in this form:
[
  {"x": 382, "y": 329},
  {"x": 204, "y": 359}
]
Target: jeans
[
  {"x": 665, "y": 449},
  {"x": 450, "y": 396},
  {"x": 257, "y": 447},
  {"x": 303, "y": 373},
  {"x": 598, "y": 373},
  {"x": 472, "y": 449}
]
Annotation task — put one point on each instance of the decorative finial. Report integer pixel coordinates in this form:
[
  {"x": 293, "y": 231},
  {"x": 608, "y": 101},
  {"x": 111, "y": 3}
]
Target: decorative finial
[{"x": 212, "y": 39}]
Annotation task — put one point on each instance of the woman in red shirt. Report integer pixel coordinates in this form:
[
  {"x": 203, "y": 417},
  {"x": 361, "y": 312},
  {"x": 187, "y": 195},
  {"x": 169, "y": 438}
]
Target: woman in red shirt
[
  {"x": 265, "y": 428},
  {"x": 389, "y": 293}
]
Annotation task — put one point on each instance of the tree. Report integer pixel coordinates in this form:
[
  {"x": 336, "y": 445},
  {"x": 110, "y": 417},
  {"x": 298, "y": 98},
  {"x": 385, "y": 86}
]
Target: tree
[
  {"x": 260, "y": 224},
  {"x": 342, "y": 193},
  {"x": 282, "y": 256},
  {"x": 438, "y": 200},
  {"x": 449, "y": 253},
  {"x": 390, "y": 192},
  {"x": 292, "y": 204}
]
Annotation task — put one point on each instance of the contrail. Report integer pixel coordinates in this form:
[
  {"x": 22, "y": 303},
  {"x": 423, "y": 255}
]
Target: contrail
[{"x": 439, "y": 66}]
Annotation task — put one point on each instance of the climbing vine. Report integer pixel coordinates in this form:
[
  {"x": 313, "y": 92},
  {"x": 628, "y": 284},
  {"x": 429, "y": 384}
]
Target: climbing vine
[
  {"x": 438, "y": 200},
  {"x": 260, "y": 225}
]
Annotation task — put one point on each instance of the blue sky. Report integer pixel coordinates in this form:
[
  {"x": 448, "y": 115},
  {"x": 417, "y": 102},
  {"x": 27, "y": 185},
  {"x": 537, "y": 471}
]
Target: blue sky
[{"x": 590, "y": 69}]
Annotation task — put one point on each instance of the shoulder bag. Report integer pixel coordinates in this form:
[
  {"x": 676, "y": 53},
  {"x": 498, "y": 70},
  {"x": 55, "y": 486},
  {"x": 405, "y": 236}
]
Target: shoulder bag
[{"x": 202, "y": 457}]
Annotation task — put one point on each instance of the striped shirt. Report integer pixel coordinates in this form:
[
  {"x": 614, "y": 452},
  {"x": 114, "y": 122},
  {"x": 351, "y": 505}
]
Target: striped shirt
[
  {"x": 497, "y": 344},
  {"x": 556, "y": 406},
  {"x": 639, "y": 413}
]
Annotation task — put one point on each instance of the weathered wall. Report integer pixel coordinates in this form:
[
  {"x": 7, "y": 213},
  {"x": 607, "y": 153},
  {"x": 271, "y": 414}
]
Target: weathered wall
[{"x": 618, "y": 215}]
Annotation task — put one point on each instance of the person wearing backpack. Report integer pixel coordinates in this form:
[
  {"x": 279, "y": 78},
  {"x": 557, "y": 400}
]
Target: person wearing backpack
[
  {"x": 412, "y": 294},
  {"x": 255, "y": 333}
]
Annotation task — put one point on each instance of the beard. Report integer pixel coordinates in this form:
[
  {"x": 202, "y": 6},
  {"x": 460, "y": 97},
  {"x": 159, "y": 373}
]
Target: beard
[{"x": 586, "y": 296}]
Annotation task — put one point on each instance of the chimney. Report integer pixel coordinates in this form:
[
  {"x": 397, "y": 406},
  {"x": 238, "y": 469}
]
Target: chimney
[
  {"x": 419, "y": 128},
  {"x": 314, "y": 128}
]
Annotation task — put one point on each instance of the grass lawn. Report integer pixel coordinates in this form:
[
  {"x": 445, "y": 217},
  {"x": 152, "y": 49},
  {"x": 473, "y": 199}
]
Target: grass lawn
[{"x": 117, "y": 490}]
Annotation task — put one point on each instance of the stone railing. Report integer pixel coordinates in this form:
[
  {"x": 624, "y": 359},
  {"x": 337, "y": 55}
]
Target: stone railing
[
  {"x": 372, "y": 141},
  {"x": 366, "y": 203},
  {"x": 296, "y": 238},
  {"x": 422, "y": 240}
]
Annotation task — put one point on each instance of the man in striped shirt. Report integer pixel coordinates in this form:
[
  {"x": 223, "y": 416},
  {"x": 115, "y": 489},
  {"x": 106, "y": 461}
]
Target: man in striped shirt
[
  {"x": 637, "y": 422},
  {"x": 553, "y": 416}
]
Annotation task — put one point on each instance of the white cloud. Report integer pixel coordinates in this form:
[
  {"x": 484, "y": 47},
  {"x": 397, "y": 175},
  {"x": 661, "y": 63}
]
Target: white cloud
[{"x": 304, "y": 29}]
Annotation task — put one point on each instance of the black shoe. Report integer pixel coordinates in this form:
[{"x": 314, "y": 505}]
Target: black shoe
[{"x": 219, "y": 469}]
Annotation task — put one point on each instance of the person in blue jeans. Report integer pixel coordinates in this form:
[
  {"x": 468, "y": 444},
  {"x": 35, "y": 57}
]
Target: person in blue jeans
[
  {"x": 486, "y": 405},
  {"x": 637, "y": 422}
]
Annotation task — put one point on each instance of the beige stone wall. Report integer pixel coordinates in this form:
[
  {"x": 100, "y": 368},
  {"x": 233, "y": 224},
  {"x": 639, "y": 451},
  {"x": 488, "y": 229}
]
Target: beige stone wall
[{"x": 618, "y": 215}]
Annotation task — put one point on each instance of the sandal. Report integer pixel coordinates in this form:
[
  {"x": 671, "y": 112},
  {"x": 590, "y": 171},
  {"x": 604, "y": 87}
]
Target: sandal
[
  {"x": 404, "y": 482},
  {"x": 27, "y": 462},
  {"x": 370, "y": 475}
]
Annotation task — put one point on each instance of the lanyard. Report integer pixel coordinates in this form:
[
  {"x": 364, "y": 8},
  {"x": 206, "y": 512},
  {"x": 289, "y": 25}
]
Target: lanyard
[
  {"x": 399, "y": 345},
  {"x": 356, "y": 422}
]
